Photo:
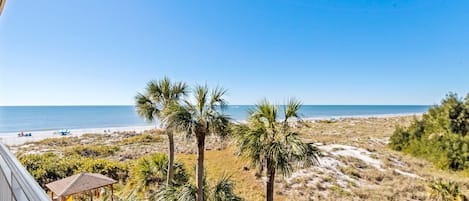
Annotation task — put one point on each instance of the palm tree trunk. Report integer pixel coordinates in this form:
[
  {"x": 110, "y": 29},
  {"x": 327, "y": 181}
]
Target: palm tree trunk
[
  {"x": 270, "y": 182},
  {"x": 200, "y": 167},
  {"x": 171, "y": 158}
]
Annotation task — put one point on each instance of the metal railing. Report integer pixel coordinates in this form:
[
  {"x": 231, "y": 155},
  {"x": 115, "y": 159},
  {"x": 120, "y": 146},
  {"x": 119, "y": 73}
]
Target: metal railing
[{"x": 16, "y": 184}]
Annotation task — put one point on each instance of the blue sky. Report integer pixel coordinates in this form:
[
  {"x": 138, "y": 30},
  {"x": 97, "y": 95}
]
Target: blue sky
[{"x": 323, "y": 52}]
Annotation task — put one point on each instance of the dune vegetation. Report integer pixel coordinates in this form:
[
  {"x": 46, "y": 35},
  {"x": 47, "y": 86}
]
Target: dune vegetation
[
  {"x": 441, "y": 136},
  {"x": 273, "y": 156},
  {"x": 348, "y": 146}
]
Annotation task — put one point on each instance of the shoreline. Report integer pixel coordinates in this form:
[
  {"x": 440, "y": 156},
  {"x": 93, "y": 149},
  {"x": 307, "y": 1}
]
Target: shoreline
[
  {"x": 364, "y": 116},
  {"x": 341, "y": 117},
  {"x": 11, "y": 138}
]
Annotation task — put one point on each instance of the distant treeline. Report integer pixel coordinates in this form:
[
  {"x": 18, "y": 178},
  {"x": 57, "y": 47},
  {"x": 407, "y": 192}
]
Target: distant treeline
[{"x": 440, "y": 136}]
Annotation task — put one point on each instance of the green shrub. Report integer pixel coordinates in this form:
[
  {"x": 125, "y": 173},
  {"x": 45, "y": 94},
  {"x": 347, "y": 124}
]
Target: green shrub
[
  {"x": 49, "y": 167},
  {"x": 327, "y": 121},
  {"x": 141, "y": 139},
  {"x": 440, "y": 190},
  {"x": 112, "y": 169},
  {"x": 59, "y": 141},
  {"x": 91, "y": 151},
  {"x": 440, "y": 136}
]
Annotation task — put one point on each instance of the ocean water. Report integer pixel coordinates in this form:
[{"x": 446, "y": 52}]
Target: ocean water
[{"x": 35, "y": 118}]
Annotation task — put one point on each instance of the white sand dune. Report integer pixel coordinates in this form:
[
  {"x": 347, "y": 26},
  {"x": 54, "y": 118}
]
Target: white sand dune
[{"x": 359, "y": 153}]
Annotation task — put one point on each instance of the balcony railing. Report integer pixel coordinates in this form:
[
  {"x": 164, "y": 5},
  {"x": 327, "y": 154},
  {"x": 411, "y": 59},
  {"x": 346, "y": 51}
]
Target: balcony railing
[{"x": 16, "y": 184}]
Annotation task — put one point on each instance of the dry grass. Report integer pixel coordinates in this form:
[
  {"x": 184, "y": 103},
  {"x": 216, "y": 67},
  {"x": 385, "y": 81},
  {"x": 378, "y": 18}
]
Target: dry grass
[
  {"x": 371, "y": 134},
  {"x": 141, "y": 139},
  {"x": 352, "y": 131},
  {"x": 224, "y": 162}
]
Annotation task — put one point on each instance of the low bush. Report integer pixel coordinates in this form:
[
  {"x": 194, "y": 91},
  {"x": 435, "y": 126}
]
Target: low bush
[
  {"x": 59, "y": 141},
  {"x": 440, "y": 136},
  {"x": 141, "y": 139},
  {"x": 49, "y": 167},
  {"x": 91, "y": 151}
]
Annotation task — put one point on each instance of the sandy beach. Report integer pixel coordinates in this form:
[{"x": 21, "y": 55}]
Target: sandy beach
[
  {"x": 13, "y": 139},
  {"x": 362, "y": 116}
]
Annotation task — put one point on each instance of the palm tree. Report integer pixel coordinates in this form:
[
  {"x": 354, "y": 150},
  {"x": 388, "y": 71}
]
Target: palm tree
[
  {"x": 158, "y": 95},
  {"x": 270, "y": 144},
  {"x": 151, "y": 171},
  {"x": 200, "y": 117},
  {"x": 222, "y": 190}
]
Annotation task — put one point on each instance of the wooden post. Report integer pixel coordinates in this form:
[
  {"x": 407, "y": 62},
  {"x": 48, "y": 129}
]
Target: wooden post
[
  {"x": 52, "y": 195},
  {"x": 112, "y": 193}
]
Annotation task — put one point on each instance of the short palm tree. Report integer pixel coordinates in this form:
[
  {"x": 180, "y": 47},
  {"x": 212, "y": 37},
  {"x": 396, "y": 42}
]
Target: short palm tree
[
  {"x": 271, "y": 145},
  {"x": 446, "y": 191},
  {"x": 149, "y": 173},
  {"x": 200, "y": 117},
  {"x": 222, "y": 190},
  {"x": 158, "y": 95}
]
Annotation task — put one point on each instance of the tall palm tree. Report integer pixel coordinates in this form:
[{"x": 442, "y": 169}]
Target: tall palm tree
[
  {"x": 158, "y": 95},
  {"x": 200, "y": 117},
  {"x": 271, "y": 145}
]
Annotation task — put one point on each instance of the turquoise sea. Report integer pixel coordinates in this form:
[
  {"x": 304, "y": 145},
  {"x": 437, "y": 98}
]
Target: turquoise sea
[{"x": 34, "y": 118}]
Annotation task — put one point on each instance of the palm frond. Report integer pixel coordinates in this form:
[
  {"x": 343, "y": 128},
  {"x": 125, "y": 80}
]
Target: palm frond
[
  {"x": 158, "y": 95},
  {"x": 265, "y": 139},
  {"x": 167, "y": 193},
  {"x": 165, "y": 87},
  {"x": 187, "y": 192},
  {"x": 440, "y": 190},
  {"x": 132, "y": 196},
  {"x": 180, "y": 89},
  {"x": 179, "y": 118},
  {"x": 223, "y": 190},
  {"x": 312, "y": 155},
  {"x": 220, "y": 124},
  {"x": 250, "y": 144},
  {"x": 201, "y": 93},
  {"x": 305, "y": 154},
  {"x": 148, "y": 173},
  {"x": 154, "y": 90},
  {"x": 145, "y": 107},
  {"x": 279, "y": 157},
  {"x": 292, "y": 108},
  {"x": 180, "y": 174},
  {"x": 151, "y": 171},
  {"x": 217, "y": 98},
  {"x": 264, "y": 112}
]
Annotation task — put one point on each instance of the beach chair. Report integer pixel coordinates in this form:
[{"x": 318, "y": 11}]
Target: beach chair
[{"x": 64, "y": 132}]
